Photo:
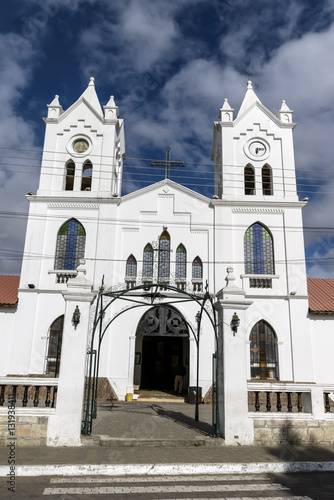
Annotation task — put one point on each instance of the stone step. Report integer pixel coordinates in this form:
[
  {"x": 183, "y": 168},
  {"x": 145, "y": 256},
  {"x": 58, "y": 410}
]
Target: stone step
[{"x": 108, "y": 441}]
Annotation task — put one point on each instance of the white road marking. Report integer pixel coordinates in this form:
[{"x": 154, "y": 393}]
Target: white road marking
[
  {"x": 175, "y": 469},
  {"x": 115, "y": 490},
  {"x": 155, "y": 479}
]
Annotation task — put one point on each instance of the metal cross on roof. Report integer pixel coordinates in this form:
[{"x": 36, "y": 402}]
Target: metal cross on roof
[{"x": 167, "y": 163}]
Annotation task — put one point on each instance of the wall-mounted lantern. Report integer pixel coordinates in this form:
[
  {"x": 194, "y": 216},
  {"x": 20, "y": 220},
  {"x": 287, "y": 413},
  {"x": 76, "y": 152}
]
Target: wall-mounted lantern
[
  {"x": 235, "y": 322},
  {"x": 76, "y": 317}
]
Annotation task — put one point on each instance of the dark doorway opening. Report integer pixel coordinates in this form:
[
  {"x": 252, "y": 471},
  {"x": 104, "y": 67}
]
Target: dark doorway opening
[{"x": 160, "y": 358}]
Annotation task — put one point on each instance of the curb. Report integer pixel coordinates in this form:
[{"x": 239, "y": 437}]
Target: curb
[{"x": 167, "y": 469}]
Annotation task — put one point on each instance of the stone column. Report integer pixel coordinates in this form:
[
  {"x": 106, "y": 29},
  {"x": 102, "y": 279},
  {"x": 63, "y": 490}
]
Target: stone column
[
  {"x": 235, "y": 424},
  {"x": 131, "y": 365},
  {"x": 64, "y": 428}
]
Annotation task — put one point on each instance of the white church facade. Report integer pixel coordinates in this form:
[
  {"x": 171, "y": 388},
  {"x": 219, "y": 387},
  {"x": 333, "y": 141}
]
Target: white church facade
[{"x": 161, "y": 247}]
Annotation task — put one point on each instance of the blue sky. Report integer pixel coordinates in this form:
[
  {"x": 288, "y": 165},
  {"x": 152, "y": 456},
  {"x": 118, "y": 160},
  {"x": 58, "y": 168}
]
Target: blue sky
[{"x": 169, "y": 66}]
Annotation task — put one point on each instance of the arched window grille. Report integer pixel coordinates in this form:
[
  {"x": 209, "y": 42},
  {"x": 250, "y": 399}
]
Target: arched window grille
[
  {"x": 263, "y": 352},
  {"x": 181, "y": 262},
  {"x": 249, "y": 175},
  {"x": 70, "y": 172},
  {"x": 148, "y": 261},
  {"x": 197, "y": 268},
  {"x": 267, "y": 186},
  {"x": 259, "y": 251},
  {"x": 164, "y": 255},
  {"x": 70, "y": 247},
  {"x": 87, "y": 173},
  {"x": 131, "y": 267},
  {"x": 54, "y": 347}
]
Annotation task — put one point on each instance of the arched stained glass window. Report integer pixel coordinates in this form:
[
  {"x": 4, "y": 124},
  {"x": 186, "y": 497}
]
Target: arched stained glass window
[
  {"x": 148, "y": 261},
  {"x": 131, "y": 267},
  {"x": 70, "y": 171},
  {"x": 164, "y": 255},
  {"x": 181, "y": 262},
  {"x": 70, "y": 247},
  {"x": 267, "y": 186},
  {"x": 54, "y": 347},
  {"x": 249, "y": 180},
  {"x": 259, "y": 251},
  {"x": 263, "y": 352},
  {"x": 197, "y": 268}
]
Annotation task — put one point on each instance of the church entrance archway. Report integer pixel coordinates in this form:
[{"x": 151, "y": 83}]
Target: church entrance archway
[{"x": 162, "y": 343}]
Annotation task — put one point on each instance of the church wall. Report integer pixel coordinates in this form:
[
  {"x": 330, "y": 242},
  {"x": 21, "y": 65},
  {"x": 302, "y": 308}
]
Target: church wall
[
  {"x": 322, "y": 336},
  {"x": 7, "y": 321},
  {"x": 36, "y": 312}
]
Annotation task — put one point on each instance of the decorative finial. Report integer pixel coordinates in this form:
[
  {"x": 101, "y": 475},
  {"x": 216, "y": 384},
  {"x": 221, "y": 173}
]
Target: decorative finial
[
  {"x": 249, "y": 85},
  {"x": 56, "y": 96},
  {"x": 91, "y": 81}
]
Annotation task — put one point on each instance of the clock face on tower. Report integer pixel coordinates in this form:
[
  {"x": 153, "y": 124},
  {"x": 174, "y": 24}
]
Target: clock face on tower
[{"x": 257, "y": 149}]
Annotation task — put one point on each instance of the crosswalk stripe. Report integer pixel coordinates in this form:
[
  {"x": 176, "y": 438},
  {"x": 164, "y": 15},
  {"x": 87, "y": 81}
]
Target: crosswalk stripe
[
  {"x": 115, "y": 490},
  {"x": 160, "y": 479}
]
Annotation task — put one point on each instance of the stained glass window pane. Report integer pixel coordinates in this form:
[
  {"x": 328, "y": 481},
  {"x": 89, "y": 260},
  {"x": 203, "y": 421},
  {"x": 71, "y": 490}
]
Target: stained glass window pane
[
  {"x": 197, "y": 269},
  {"x": 164, "y": 255},
  {"x": 181, "y": 262},
  {"x": 131, "y": 267},
  {"x": 259, "y": 252},
  {"x": 148, "y": 261},
  {"x": 70, "y": 245},
  {"x": 263, "y": 352}
]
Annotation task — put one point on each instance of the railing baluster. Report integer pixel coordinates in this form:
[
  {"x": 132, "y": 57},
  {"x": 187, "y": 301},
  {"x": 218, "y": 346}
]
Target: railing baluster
[
  {"x": 47, "y": 399},
  {"x": 289, "y": 402},
  {"x": 25, "y": 396},
  {"x": 55, "y": 389},
  {"x": 36, "y": 400},
  {"x": 299, "y": 404},
  {"x": 327, "y": 404},
  {"x": 268, "y": 406},
  {"x": 278, "y": 406},
  {"x": 257, "y": 401},
  {"x": 14, "y": 394},
  {"x": 2, "y": 395}
]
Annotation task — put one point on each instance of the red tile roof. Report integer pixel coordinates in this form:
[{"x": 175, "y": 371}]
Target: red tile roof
[
  {"x": 321, "y": 295},
  {"x": 9, "y": 289}
]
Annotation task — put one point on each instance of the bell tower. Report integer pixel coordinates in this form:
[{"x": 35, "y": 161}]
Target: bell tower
[
  {"x": 253, "y": 153},
  {"x": 83, "y": 149}
]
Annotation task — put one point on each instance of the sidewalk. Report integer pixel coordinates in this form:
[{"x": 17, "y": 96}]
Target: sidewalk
[{"x": 170, "y": 443}]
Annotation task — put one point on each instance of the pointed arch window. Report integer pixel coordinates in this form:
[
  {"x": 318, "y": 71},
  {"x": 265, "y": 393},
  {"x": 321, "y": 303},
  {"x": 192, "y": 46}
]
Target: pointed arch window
[
  {"x": 259, "y": 251},
  {"x": 249, "y": 175},
  {"x": 181, "y": 262},
  {"x": 70, "y": 172},
  {"x": 197, "y": 269},
  {"x": 164, "y": 255},
  {"x": 263, "y": 352},
  {"x": 70, "y": 247},
  {"x": 87, "y": 173},
  {"x": 131, "y": 267},
  {"x": 55, "y": 337},
  {"x": 148, "y": 261},
  {"x": 267, "y": 185}
]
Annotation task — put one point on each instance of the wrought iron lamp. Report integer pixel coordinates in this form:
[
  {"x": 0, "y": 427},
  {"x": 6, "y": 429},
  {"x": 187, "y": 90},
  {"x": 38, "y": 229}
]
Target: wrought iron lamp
[
  {"x": 76, "y": 317},
  {"x": 235, "y": 322}
]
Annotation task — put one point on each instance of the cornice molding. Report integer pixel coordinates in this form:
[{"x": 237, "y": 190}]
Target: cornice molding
[
  {"x": 73, "y": 205},
  {"x": 258, "y": 210}
]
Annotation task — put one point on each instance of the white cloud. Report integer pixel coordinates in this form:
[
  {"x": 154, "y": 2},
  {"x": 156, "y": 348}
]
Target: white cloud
[{"x": 15, "y": 133}]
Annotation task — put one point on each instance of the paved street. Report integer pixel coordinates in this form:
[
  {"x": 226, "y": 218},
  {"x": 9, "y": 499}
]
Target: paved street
[{"x": 316, "y": 486}]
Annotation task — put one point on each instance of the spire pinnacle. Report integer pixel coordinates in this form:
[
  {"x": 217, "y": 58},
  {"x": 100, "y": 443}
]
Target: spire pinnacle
[{"x": 249, "y": 99}]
